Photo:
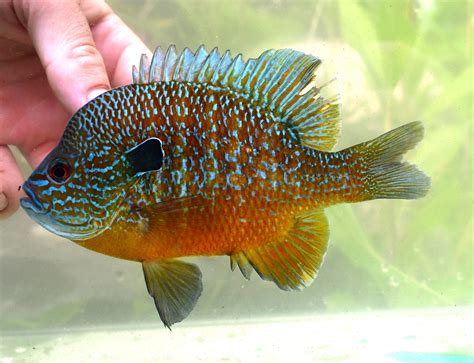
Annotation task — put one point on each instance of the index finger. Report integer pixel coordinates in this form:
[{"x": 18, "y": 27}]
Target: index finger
[
  {"x": 64, "y": 43},
  {"x": 120, "y": 47}
]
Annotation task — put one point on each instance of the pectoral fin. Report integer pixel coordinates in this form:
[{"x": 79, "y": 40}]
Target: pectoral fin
[
  {"x": 292, "y": 262},
  {"x": 175, "y": 286}
]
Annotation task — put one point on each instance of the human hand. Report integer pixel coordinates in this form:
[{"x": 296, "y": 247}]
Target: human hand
[{"x": 54, "y": 57}]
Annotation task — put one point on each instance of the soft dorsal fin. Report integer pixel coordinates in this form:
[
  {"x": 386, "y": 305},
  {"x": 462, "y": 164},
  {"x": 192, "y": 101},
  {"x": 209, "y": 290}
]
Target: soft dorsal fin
[
  {"x": 274, "y": 80},
  {"x": 175, "y": 286},
  {"x": 147, "y": 156},
  {"x": 293, "y": 261}
]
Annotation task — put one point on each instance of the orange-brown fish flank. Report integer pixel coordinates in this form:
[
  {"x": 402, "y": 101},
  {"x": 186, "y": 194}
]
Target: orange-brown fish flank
[
  {"x": 217, "y": 229},
  {"x": 207, "y": 154}
]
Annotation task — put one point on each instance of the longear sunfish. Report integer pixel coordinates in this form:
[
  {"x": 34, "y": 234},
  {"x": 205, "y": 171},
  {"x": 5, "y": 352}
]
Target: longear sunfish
[{"x": 207, "y": 154}]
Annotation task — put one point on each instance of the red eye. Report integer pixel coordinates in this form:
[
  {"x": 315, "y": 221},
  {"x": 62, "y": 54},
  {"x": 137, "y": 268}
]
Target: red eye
[{"x": 59, "y": 171}]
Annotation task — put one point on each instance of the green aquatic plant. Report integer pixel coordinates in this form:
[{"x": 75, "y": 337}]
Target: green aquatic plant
[{"x": 423, "y": 71}]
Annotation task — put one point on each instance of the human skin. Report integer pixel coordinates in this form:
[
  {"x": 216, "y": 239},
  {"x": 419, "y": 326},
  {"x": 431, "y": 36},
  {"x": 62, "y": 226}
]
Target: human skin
[{"x": 54, "y": 57}]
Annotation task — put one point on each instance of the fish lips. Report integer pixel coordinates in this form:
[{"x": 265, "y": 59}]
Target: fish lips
[
  {"x": 40, "y": 213},
  {"x": 31, "y": 204}
]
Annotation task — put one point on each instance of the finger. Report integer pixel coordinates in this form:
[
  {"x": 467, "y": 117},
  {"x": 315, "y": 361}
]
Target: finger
[
  {"x": 120, "y": 47},
  {"x": 10, "y": 180},
  {"x": 63, "y": 40},
  {"x": 35, "y": 156}
]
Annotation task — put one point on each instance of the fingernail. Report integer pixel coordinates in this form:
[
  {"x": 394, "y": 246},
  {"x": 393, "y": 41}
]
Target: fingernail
[
  {"x": 3, "y": 201},
  {"x": 97, "y": 92}
]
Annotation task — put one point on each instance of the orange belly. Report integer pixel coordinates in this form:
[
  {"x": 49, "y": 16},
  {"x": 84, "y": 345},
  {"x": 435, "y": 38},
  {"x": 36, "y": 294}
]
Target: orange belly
[{"x": 220, "y": 228}]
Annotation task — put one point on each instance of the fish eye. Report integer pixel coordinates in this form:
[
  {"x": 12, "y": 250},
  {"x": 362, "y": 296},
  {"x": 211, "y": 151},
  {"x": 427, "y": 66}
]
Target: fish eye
[{"x": 59, "y": 170}]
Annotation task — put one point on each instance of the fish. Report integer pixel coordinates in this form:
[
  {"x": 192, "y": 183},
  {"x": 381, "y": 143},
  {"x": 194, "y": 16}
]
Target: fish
[{"x": 206, "y": 154}]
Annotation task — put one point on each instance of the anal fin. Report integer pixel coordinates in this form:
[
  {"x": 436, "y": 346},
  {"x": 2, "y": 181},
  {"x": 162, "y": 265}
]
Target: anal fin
[
  {"x": 291, "y": 262},
  {"x": 175, "y": 286}
]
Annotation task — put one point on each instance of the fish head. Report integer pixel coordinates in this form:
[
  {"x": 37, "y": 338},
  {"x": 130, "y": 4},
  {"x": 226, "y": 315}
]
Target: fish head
[
  {"x": 82, "y": 185},
  {"x": 67, "y": 198}
]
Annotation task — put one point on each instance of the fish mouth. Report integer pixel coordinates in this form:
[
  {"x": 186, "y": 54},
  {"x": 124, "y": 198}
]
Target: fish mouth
[{"x": 31, "y": 203}]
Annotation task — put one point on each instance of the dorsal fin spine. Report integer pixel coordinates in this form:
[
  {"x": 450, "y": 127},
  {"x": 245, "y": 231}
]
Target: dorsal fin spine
[
  {"x": 169, "y": 64},
  {"x": 233, "y": 70},
  {"x": 156, "y": 65},
  {"x": 177, "y": 67},
  {"x": 182, "y": 64},
  {"x": 199, "y": 57},
  {"x": 202, "y": 76},
  {"x": 274, "y": 81},
  {"x": 222, "y": 66},
  {"x": 143, "y": 70},
  {"x": 134, "y": 74},
  {"x": 214, "y": 59}
]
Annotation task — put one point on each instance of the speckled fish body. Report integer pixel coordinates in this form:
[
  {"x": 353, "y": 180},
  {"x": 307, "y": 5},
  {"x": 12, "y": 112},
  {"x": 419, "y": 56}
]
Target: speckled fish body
[
  {"x": 223, "y": 163},
  {"x": 210, "y": 155}
]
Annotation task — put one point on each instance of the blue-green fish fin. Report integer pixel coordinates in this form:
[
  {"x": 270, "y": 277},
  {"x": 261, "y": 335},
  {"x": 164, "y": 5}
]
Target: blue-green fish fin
[
  {"x": 175, "y": 286},
  {"x": 388, "y": 177},
  {"x": 293, "y": 261},
  {"x": 274, "y": 81},
  {"x": 140, "y": 76},
  {"x": 146, "y": 156}
]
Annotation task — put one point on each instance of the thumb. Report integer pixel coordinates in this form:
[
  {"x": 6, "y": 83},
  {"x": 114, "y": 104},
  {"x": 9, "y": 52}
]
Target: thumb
[{"x": 63, "y": 40}]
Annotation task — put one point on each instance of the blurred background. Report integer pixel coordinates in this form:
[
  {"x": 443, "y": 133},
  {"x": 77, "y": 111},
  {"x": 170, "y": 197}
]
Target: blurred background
[{"x": 391, "y": 62}]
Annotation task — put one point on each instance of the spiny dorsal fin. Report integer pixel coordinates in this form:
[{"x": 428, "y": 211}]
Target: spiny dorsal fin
[
  {"x": 175, "y": 286},
  {"x": 146, "y": 157},
  {"x": 274, "y": 81},
  {"x": 293, "y": 261}
]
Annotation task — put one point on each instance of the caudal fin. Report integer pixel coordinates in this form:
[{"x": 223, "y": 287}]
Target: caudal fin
[{"x": 387, "y": 176}]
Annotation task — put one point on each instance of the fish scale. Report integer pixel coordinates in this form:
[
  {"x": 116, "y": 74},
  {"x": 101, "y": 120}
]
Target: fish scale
[
  {"x": 208, "y": 154},
  {"x": 216, "y": 171}
]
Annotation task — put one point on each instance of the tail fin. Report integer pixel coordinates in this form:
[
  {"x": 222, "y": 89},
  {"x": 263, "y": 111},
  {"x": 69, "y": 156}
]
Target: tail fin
[{"x": 387, "y": 177}]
